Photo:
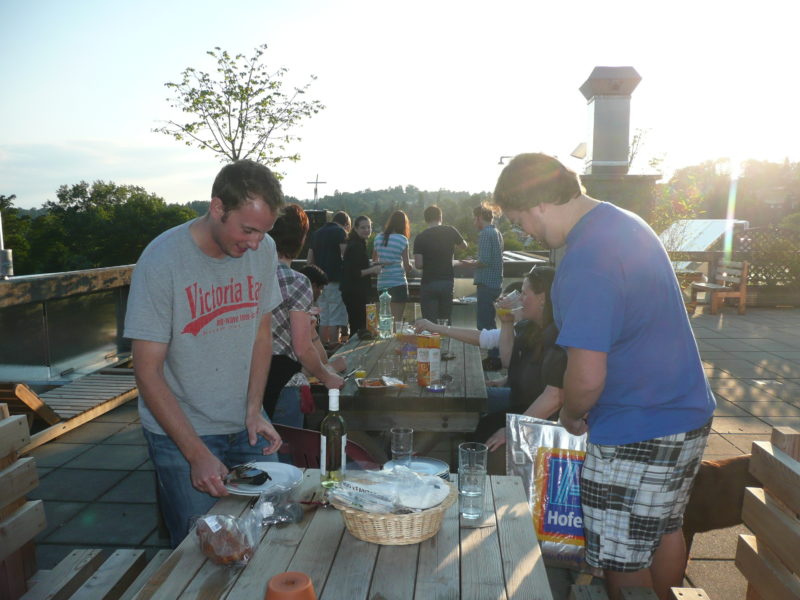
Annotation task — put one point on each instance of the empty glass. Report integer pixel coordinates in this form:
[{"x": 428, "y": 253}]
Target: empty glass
[
  {"x": 402, "y": 445},
  {"x": 385, "y": 367},
  {"x": 472, "y": 458},
  {"x": 444, "y": 338}
]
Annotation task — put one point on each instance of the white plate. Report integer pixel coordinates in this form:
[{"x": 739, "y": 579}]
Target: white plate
[
  {"x": 285, "y": 477},
  {"x": 426, "y": 466}
]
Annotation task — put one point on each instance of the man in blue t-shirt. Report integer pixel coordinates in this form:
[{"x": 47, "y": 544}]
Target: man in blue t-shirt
[
  {"x": 634, "y": 379},
  {"x": 488, "y": 277}
]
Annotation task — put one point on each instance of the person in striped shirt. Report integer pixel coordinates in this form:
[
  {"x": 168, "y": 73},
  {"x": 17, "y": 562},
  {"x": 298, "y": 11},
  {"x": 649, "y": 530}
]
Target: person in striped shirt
[{"x": 390, "y": 249}]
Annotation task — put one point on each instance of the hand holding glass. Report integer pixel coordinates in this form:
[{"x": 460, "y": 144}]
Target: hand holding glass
[{"x": 508, "y": 303}]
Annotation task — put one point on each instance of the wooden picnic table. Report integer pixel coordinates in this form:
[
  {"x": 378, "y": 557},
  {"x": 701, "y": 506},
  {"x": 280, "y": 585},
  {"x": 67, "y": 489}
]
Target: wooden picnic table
[
  {"x": 455, "y": 410},
  {"x": 498, "y": 559}
]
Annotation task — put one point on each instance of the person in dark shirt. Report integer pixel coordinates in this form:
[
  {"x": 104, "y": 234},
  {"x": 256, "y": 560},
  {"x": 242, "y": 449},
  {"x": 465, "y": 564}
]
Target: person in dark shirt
[
  {"x": 327, "y": 248},
  {"x": 433, "y": 254},
  {"x": 357, "y": 274}
]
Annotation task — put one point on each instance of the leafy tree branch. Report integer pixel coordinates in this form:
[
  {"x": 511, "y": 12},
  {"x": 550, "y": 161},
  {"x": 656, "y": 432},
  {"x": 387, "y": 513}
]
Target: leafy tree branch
[{"x": 240, "y": 112}]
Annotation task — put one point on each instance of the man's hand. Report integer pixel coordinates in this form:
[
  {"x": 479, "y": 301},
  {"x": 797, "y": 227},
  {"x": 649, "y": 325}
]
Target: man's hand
[
  {"x": 497, "y": 439},
  {"x": 207, "y": 473},
  {"x": 258, "y": 425}
]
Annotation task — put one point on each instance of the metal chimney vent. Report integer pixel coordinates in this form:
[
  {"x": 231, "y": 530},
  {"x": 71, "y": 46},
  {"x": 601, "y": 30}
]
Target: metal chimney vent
[{"x": 608, "y": 92}]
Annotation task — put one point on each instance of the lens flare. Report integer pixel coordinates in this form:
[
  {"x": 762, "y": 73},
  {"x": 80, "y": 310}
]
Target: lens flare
[{"x": 727, "y": 246}]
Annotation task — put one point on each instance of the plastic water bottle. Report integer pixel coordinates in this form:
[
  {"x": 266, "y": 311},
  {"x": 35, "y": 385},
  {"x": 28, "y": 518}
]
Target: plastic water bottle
[{"x": 385, "y": 315}]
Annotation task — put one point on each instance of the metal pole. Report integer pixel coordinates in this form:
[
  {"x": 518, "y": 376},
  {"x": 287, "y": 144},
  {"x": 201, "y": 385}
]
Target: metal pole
[
  {"x": 316, "y": 182},
  {"x": 6, "y": 259}
]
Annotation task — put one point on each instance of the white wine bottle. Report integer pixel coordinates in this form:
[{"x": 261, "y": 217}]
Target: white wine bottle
[{"x": 333, "y": 440}]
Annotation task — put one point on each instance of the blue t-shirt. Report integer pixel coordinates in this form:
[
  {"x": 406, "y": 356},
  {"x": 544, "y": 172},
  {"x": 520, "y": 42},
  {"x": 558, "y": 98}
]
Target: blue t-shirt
[{"x": 615, "y": 292}]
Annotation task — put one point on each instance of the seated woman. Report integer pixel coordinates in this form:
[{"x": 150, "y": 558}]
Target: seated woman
[{"x": 535, "y": 364}]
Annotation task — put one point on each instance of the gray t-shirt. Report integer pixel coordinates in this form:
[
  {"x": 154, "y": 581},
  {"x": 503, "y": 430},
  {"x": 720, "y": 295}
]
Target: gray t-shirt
[{"x": 207, "y": 310}]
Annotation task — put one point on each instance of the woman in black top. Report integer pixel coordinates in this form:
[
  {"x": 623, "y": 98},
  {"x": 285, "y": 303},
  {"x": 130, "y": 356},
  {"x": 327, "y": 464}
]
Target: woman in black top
[
  {"x": 356, "y": 284},
  {"x": 528, "y": 350}
]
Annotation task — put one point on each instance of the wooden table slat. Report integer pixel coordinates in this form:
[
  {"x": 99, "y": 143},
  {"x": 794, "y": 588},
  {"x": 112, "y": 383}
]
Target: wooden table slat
[
  {"x": 456, "y": 410},
  {"x": 526, "y": 577},
  {"x": 439, "y": 564},
  {"x": 352, "y": 568},
  {"x": 395, "y": 572},
  {"x": 497, "y": 558},
  {"x": 277, "y": 547}
]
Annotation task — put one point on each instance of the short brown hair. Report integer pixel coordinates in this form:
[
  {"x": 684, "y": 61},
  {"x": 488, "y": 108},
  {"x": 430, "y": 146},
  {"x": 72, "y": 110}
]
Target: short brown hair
[
  {"x": 432, "y": 214},
  {"x": 238, "y": 181},
  {"x": 531, "y": 179},
  {"x": 484, "y": 212},
  {"x": 289, "y": 231}
]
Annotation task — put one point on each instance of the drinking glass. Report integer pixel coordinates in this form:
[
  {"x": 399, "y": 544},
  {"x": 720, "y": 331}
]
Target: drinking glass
[
  {"x": 398, "y": 326},
  {"x": 402, "y": 445},
  {"x": 472, "y": 458},
  {"x": 385, "y": 367},
  {"x": 445, "y": 339}
]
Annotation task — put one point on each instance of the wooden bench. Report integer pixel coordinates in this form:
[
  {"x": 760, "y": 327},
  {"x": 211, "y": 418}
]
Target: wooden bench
[
  {"x": 770, "y": 560},
  {"x": 84, "y": 573},
  {"x": 598, "y": 592},
  {"x": 68, "y": 406},
  {"x": 730, "y": 281},
  {"x": 20, "y": 519}
]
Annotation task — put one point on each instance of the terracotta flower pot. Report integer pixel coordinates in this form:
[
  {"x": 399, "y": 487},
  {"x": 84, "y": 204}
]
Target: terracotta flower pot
[{"x": 291, "y": 585}]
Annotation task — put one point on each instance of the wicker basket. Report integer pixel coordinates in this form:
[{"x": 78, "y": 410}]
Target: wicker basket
[{"x": 396, "y": 530}]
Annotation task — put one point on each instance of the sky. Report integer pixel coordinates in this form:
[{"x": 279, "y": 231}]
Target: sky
[{"x": 426, "y": 93}]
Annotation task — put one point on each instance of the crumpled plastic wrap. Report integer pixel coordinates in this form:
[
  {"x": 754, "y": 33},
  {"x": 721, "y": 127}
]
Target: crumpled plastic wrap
[
  {"x": 398, "y": 490},
  {"x": 228, "y": 540},
  {"x": 549, "y": 460}
]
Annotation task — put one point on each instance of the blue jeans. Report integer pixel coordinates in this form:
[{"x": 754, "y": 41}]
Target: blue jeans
[
  {"x": 498, "y": 399},
  {"x": 287, "y": 412},
  {"x": 178, "y": 500},
  {"x": 485, "y": 311},
  {"x": 436, "y": 299}
]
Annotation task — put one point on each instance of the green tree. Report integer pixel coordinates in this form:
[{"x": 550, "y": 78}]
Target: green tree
[
  {"x": 791, "y": 221},
  {"x": 97, "y": 225},
  {"x": 242, "y": 111}
]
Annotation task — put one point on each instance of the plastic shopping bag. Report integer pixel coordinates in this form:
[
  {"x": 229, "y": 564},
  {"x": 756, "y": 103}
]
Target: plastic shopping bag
[{"x": 549, "y": 460}]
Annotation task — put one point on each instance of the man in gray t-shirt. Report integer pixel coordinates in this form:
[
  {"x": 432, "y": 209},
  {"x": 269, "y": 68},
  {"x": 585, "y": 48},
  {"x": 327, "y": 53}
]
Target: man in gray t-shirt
[{"x": 199, "y": 315}]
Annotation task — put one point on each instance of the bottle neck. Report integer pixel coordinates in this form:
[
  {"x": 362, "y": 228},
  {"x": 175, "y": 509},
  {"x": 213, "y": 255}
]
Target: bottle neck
[{"x": 333, "y": 402}]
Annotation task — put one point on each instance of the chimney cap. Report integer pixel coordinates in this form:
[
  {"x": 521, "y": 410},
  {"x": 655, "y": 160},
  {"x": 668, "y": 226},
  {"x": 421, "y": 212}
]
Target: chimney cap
[{"x": 610, "y": 81}]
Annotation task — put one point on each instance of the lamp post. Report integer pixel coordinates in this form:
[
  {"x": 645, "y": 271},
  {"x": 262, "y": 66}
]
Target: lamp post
[{"x": 6, "y": 260}]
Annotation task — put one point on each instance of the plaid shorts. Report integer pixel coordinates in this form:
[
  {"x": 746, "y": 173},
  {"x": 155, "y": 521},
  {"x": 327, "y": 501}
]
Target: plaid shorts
[{"x": 635, "y": 493}]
